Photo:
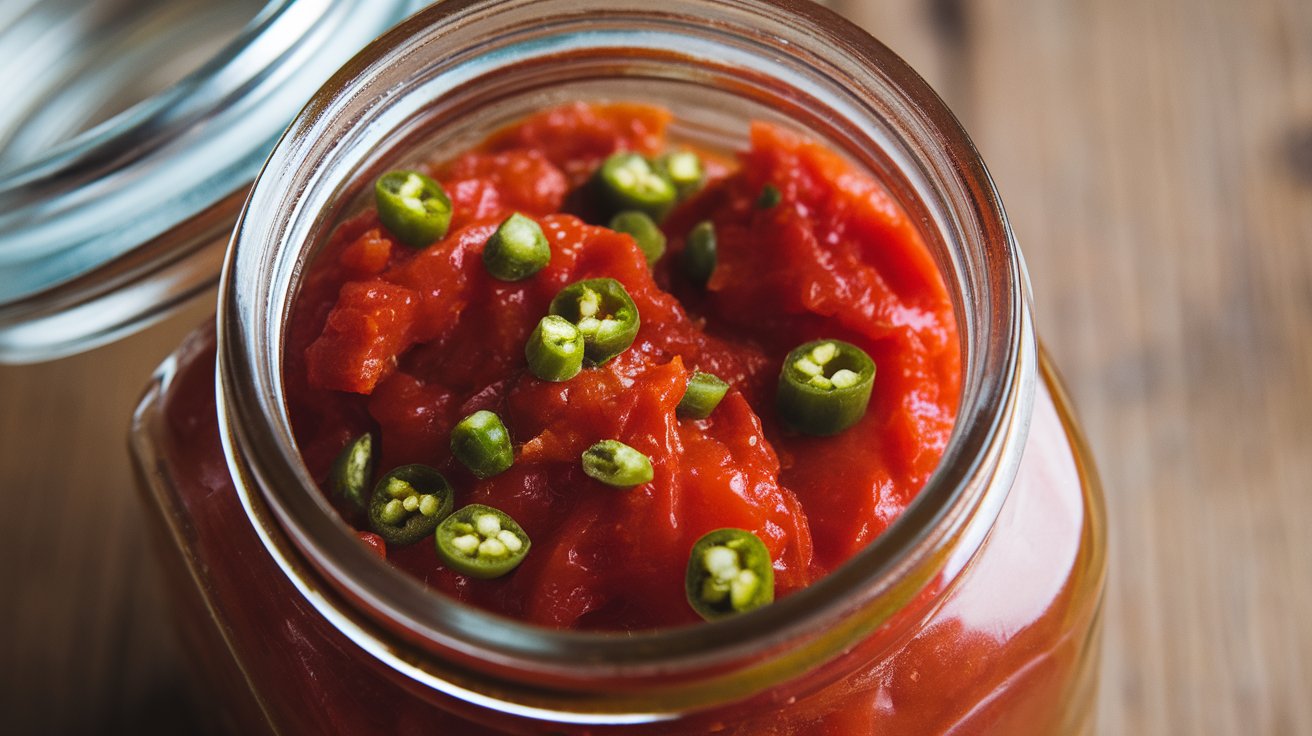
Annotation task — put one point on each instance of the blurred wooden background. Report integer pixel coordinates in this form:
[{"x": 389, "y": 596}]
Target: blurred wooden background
[{"x": 1155, "y": 157}]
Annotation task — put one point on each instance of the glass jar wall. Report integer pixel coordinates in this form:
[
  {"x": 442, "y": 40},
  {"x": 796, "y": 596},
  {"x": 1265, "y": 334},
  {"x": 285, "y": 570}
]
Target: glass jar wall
[{"x": 975, "y": 612}]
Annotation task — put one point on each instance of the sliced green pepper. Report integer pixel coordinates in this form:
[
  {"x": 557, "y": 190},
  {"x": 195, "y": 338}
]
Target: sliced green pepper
[
  {"x": 628, "y": 181},
  {"x": 703, "y": 394},
  {"x": 684, "y": 169},
  {"x": 650, "y": 239},
  {"x": 517, "y": 250},
  {"x": 616, "y": 464},
  {"x": 408, "y": 503},
  {"x": 729, "y": 572},
  {"x": 412, "y": 207},
  {"x": 555, "y": 349},
  {"x": 604, "y": 312},
  {"x": 699, "y": 253},
  {"x": 824, "y": 387},
  {"x": 481, "y": 442},
  {"x": 481, "y": 542},
  {"x": 770, "y": 197},
  {"x": 352, "y": 470}
]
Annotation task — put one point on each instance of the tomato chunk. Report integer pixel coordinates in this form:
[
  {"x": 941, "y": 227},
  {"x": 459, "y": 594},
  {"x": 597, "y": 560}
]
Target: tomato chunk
[{"x": 406, "y": 343}]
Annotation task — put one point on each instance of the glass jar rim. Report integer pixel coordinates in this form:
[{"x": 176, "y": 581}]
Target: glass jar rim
[
  {"x": 486, "y": 659},
  {"x": 103, "y": 231}
]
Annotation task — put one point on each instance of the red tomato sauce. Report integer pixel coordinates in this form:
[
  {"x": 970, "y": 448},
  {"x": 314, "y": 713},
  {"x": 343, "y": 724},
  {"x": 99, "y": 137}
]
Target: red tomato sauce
[{"x": 404, "y": 343}]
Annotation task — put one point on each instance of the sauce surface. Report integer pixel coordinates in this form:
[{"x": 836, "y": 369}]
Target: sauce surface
[{"x": 404, "y": 343}]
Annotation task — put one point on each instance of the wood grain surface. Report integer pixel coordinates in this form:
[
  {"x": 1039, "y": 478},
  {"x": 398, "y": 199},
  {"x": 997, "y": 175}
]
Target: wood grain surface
[{"x": 1155, "y": 157}]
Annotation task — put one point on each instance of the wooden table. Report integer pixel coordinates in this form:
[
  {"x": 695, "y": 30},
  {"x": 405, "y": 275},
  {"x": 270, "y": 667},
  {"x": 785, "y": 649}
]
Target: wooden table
[{"x": 1156, "y": 160}]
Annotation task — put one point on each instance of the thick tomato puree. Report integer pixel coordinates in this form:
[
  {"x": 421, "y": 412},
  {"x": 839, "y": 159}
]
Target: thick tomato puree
[{"x": 404, "y": 343}]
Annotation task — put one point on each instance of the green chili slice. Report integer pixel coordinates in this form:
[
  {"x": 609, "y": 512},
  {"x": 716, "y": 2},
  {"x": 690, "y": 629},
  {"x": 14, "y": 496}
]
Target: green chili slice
[
  {"x": 628, "y": 181},
  {"x": 699, "y": 253},
  {"x": 604, "y": 312},
  {"x": 482, "y": 443},
  {"x": 555, "y": 349},
  {"x": 481, "y": 542},
  {"x": 650, "y": 239},
  {"x": 351, "y": 471},
  {"x": 408, "y": 503},
  {"x": 729, "y": 572},
  {"x": 412, "y": 207},
  {"x": 517, "y": 250},
  {"x": 616, "y": 464},
  {"x": 824, "y": 387},
  {"x": 770, "y": 197},
  {"x": 684, "y": 169},
  {"x": 704, "y": 392}
]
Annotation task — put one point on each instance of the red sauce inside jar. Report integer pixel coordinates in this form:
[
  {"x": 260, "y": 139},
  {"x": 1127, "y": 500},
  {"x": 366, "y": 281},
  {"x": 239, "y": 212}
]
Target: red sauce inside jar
[{"x": 404, "y": 343}]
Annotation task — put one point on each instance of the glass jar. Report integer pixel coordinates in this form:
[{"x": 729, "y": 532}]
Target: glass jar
[
  {"x": 976, "y": 611},
  {"x": 130, "y": 132}
]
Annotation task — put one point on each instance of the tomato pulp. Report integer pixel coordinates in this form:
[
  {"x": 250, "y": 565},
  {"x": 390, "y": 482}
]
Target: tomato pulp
[
  {"x": 1004, "y": 641},
  {"x": 1007, "y": 646},
  {"x": 405, "y": 342}
]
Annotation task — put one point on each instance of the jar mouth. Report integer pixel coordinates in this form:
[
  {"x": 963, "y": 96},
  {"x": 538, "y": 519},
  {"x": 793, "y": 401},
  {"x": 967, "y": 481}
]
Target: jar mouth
[
  {"x": 830, "y": 78},
  {"x": 128, "y": 139}
]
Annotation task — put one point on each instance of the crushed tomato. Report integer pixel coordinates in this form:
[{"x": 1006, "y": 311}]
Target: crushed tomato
[{"x": 405, "y": 343}]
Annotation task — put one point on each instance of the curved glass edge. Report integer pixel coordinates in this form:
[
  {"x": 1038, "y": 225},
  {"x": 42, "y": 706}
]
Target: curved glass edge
[
  {"x": 124, "y": 296},
  {"x": 74, "y": 228},
  {"x": 147, "y": 435},
  {"x": 78, "y": 69},
  {"x": 1083, "y": 692},
  {"x": 231, "y": 668},
  {"x": 396, "y": 612}
]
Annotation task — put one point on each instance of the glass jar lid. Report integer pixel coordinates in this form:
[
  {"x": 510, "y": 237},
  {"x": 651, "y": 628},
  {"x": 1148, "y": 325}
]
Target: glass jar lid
[{"x": 130, "y": 131}]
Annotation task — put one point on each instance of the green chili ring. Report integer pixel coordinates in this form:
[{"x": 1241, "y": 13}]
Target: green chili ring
[
  {"x": 481, "y": 542},
  {"x": 616, "y": 464},
  {"x": 729, "y": 572},
  {"x": 408, "y": 503},
  {"x": 351, "y": 471},
  {"x": 518, "y": 249},
  {"x": 643, "y": 230},
  {"x": 685, "y": 170},
  {"x": 703, "y": 394},
  {"x": 700, "y": 253},
  {"x": 604, "y": 312},
  {"x": 412, "y": 207},
  {"x": 824, "y": 387},
  {"x": 482, "y": 443},
  {"x": 628, "y": 181},
  {"x": 555, "y": 349}
]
